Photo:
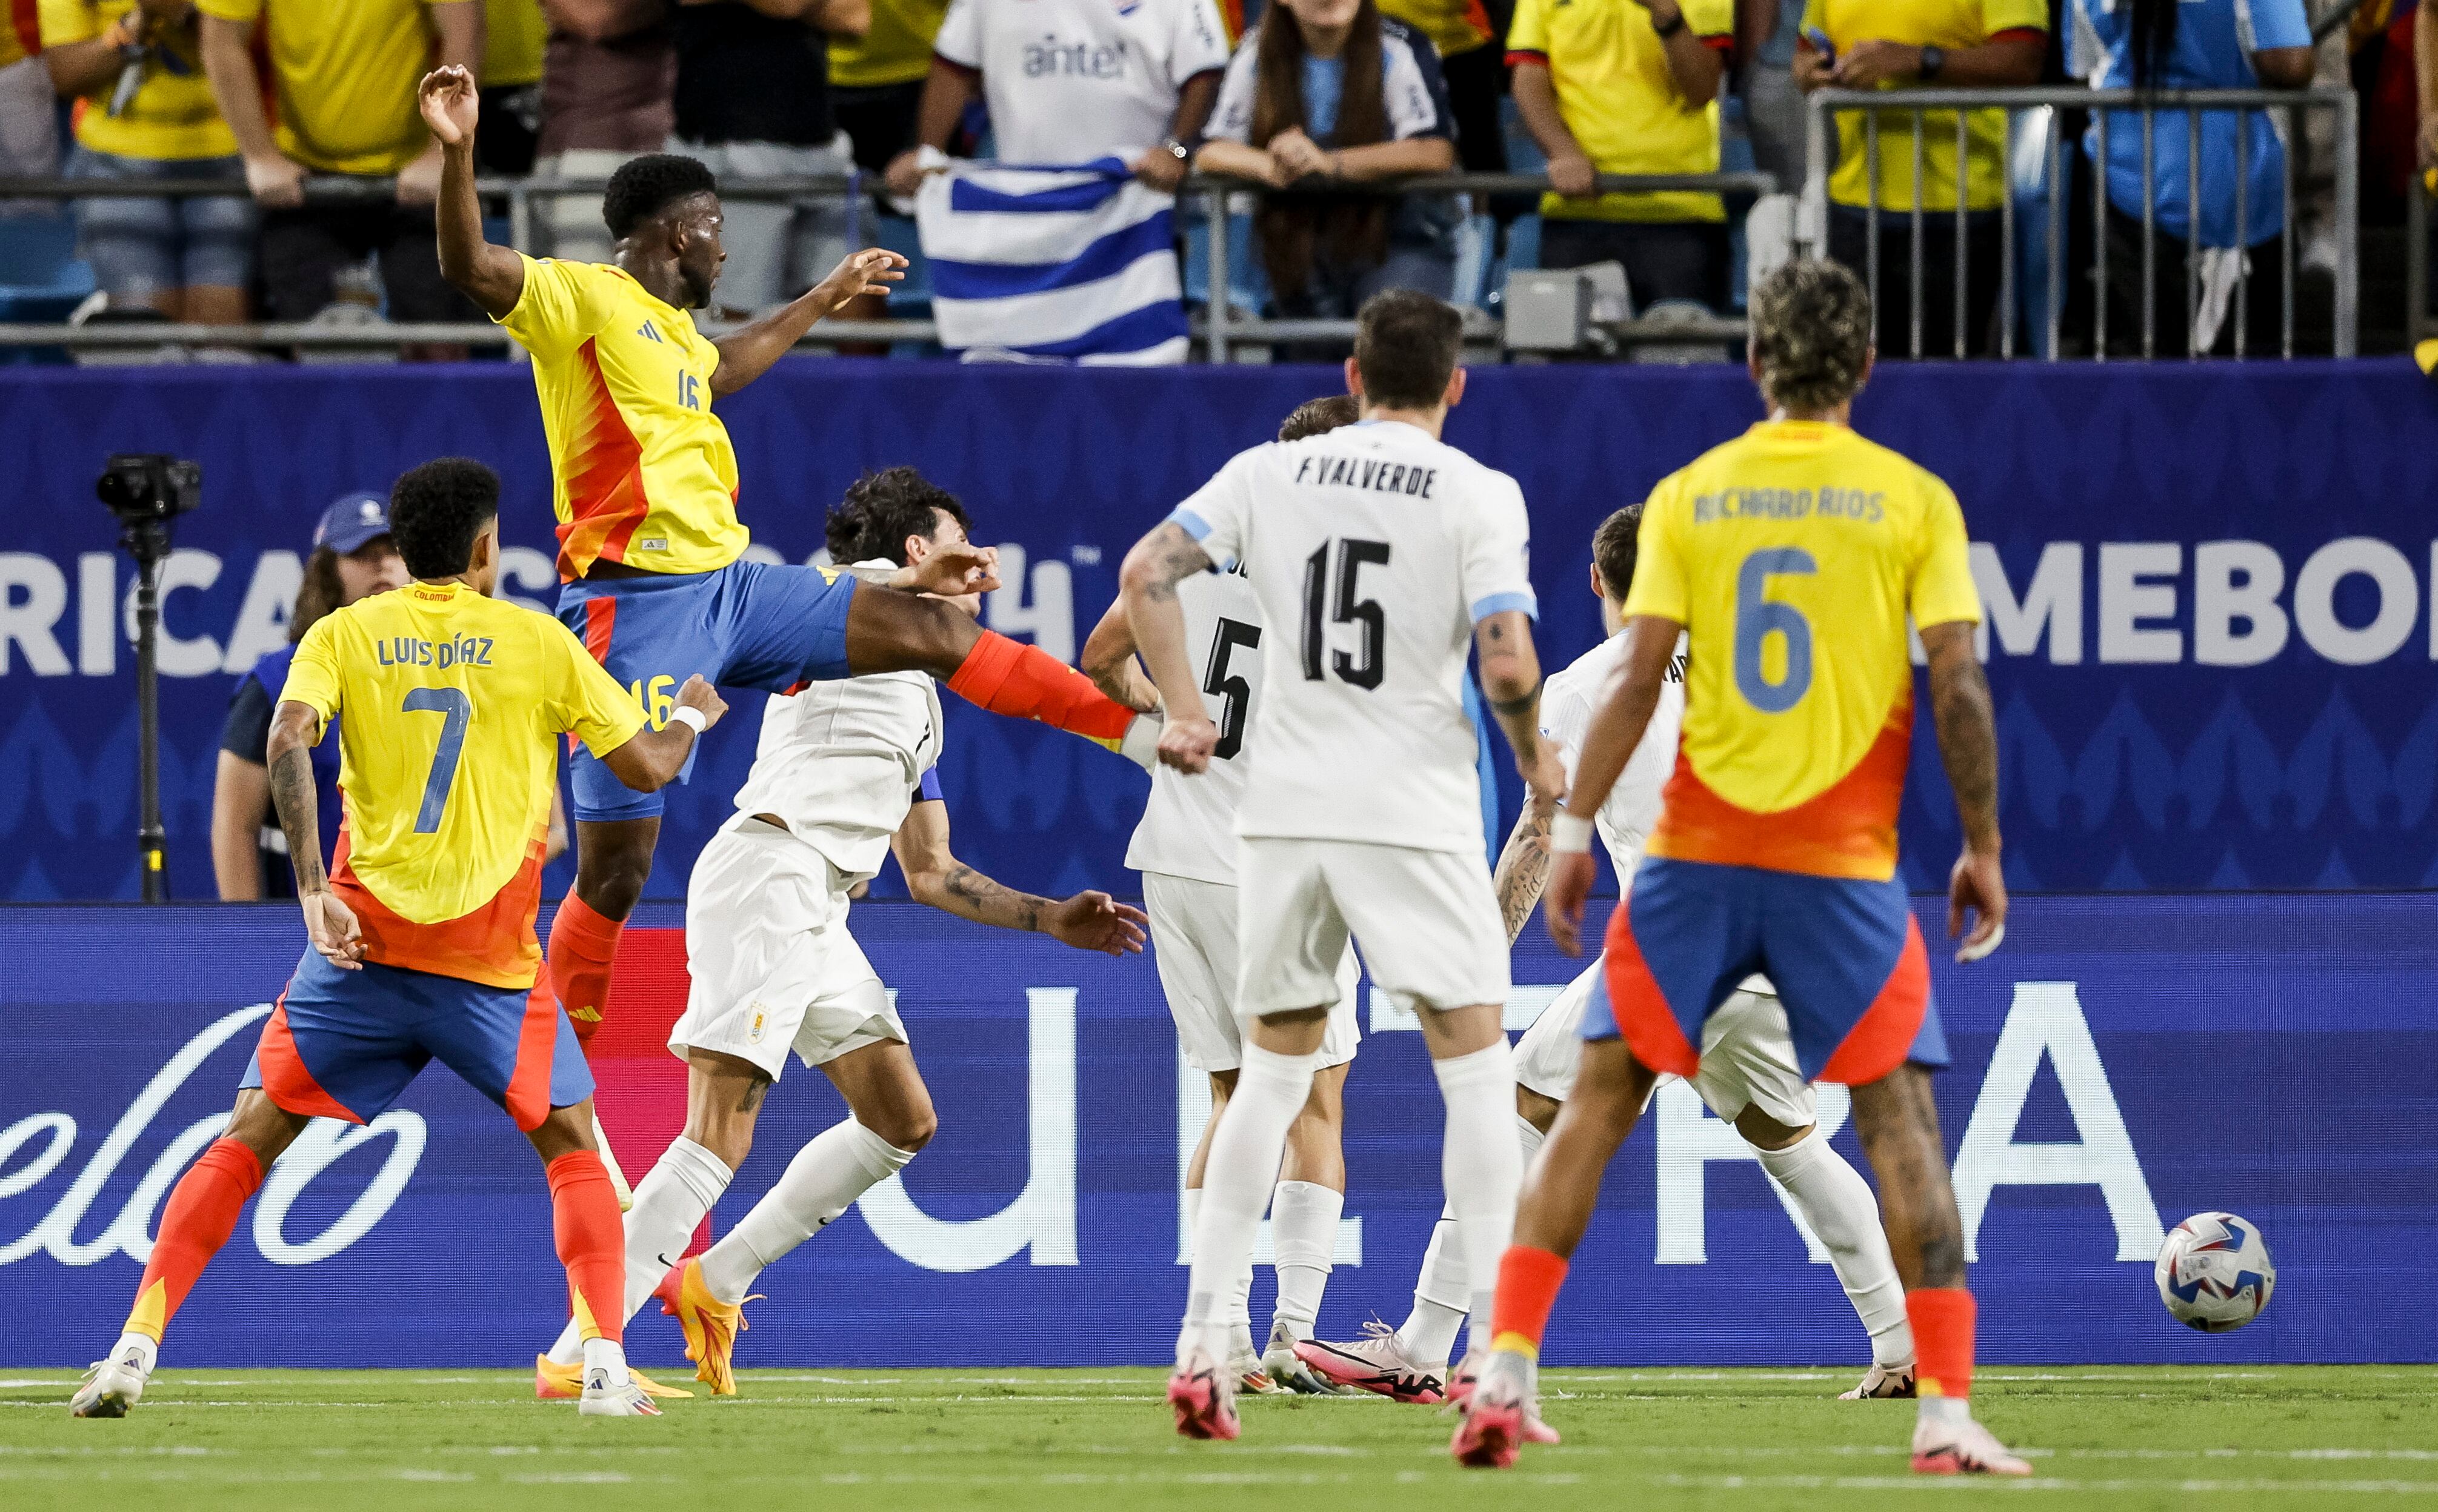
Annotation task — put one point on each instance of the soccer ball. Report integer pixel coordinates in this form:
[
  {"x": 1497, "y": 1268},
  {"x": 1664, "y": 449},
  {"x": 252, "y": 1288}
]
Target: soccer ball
[{"x": 2215, "y": 1273}]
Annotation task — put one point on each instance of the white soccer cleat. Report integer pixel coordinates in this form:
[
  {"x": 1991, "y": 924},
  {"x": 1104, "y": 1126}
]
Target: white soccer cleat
[
  {"x": 1286, "y": 1368},
  {"x": 1378, "y": 1362},
  {"x": 1881, "y": 1383},
  {"x": 1962, "y": 1448},
  {"x": 110, "y": 1388},
  {"x": 602, "y": 1400},
  {"x": 1251, "y": 1375}
]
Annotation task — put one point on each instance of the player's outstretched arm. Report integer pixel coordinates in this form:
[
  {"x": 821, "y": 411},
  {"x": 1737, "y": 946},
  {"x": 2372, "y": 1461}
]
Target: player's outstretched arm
[
  {"x": 954, "y": 569},
  {"x": 492, "y": 276},
  {"x": 1615, "y": 729},
  {"x": 747, "y": 352},
  {"x": 1147, "y": 589},
  {"x": 1089, "y": 921},
  {"x": 1968, "y": 743},
  {"x": 1108, "y": 659},
  {"x": 296, "y": 730},
  {"x": 651, "y": 759}
]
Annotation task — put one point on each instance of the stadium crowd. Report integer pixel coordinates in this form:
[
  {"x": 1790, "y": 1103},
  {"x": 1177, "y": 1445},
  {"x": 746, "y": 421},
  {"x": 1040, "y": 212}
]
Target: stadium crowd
[{"x": 273, "y": 94}]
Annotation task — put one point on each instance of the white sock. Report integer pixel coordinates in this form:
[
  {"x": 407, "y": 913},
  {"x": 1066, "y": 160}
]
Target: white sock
[
  {"x": 1482, "y": 1165},
  {"x": 670, "y": 1201},
  {"x": 1303, "y": 1231},
  {"x": 1239, "y": 1304},
  {"x": 1838, "y": 1204},
  {"x": 1441, "y": 1294},
  {"x": 606, "y": 1355},
  {"x": 147, "y": 1349},
  {"x": 1236, "y": 1182},
  {"x": 837, "y": 1165}
]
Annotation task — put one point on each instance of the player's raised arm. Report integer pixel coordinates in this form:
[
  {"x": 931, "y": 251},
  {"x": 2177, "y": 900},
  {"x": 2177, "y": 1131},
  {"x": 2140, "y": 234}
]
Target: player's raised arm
[
  {"x": 651, "y": 759},
  {"x": 1609, "y": 742},
  {"x": 1089, "y": 921},
  {"x": 296, "y": 730},
  {"x": 1108, "y": 659},
  {"x": 490, "y": 275},
  {"x": 747, "y": 352},
  {"x": 1147, "y": 587},
  {"x": 1968, "y": 743}
]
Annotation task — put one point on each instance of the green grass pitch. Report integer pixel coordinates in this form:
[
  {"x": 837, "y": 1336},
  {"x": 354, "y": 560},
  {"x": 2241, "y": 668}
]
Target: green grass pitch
[{"x": 1014, "y": 1439}]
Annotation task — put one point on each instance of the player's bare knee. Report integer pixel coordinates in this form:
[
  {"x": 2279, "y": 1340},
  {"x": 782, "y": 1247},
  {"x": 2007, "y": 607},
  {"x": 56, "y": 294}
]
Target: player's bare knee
[
  {"x": 1763, "y": 1132},
  {"x": 564, "y": 1131},
  {"x": 908, "y": 1126},
  {"x": 612, "y": 864},
  {"x": 1533, "y": 1108},
  {"x": 262, "y": 1126}
]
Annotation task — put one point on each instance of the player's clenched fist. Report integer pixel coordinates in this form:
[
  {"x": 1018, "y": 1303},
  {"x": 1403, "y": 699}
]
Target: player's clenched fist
[
  {"x": 451, "y": 104},
  {"x": 955, "y": 569},
  {"x": 1187, "y": 744},
  {"x": 701, "y": 695},
  {"x": 1094, "y": 920}
]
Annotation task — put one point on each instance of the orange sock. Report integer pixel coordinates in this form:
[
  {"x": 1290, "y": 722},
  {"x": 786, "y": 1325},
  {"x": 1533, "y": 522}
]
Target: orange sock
[
  {"x": 1527, "y": 1289},
  {"x": 1942, "y": 1318},
  {"x": 583, "y": 945},
  {"x": 591, "y": 1243},
  {"x": 1026, "y": 683},
  {"x": 201, "y": 1215}
]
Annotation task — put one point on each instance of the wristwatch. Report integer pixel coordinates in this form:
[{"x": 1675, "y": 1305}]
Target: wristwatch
[
  {"x": 1178, "y": 150},
  {"x": 1671, "y": 28},
  {"x": 1932, "y": 60}
]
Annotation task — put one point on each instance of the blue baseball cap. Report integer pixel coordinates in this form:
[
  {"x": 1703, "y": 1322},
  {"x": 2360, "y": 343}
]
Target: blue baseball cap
[{"x": 352, "y": 521}]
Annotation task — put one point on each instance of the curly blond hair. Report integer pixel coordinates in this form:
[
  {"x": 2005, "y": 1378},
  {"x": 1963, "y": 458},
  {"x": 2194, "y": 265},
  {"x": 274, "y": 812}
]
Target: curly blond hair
[{"x": 1810, "y": 335}]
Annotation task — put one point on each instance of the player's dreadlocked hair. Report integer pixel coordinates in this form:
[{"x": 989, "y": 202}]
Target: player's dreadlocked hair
[
  {"x": 644, "y": 186},
  {"x": 1810, "y": 335},
  {"x": 1612, "y": 549},
  {"x": 1315, "y": 417},
  {"x": 437, "y": 510},
  {"x": 881, "y": 509}
]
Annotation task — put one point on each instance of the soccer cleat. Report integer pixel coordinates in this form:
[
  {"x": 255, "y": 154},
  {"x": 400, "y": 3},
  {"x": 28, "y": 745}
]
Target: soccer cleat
[
  {"x": 1250, "y": 1374},
  {"x": 1204, "y": 1397},
  {"x": 554, "y": 1381},
  {"x": 1962, "y": 1448},
  {"x": 1376, "y": 1363},
  {"x": 602, "y": 1400},
  {"x": 1880, "y": 1384},
  {"x": 110, "y": 1388},
  {"x": 711, "y": 1325},
  {"x": 1284, "y": 1368},
  {"x": 1496, "y": 1407},
  {"x": 1459, "y": 1392}
]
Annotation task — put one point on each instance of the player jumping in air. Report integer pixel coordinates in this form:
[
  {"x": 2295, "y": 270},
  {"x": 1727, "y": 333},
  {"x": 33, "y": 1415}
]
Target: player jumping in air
[
  {"x": 1749, "y": 1076},
  {"x": 1790, "y": 556},
  {"x": 422, "y": 932},
  {"x": 1376, "y": 554},
  {"x": 645, "y": 492},
  {"x": 844, "y": 776},
  {"x": 1186, "y": 850}
]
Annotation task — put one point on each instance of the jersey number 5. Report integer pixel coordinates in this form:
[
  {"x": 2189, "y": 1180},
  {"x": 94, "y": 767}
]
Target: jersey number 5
[
  {"x": 1758, "y": 616},
  {"x": 1363, "y": 671},
  {"x": 1234, "y": 693},
  {"x": 454, "y": 709}
]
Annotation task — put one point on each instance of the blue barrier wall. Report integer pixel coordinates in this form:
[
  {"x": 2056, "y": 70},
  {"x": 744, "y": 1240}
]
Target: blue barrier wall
[
  {"x": 2121, "y": 1063},
  {"x": 2212, "y": 656}
]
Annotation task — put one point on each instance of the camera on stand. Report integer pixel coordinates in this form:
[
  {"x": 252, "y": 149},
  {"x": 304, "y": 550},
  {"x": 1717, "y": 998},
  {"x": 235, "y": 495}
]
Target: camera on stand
[{"x": 146, "y": 491}]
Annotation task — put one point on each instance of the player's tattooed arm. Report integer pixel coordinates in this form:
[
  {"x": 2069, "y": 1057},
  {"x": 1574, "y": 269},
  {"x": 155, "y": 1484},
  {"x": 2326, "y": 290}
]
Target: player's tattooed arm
[
  {"x": 1108, "y": 659},
  {"x": 1089, "y": 921},
  {"x": 1511, "y": 683},
  {"x": 1147, "y": 589},
  {"x": 296, "y": 728},
  {"x": 1968, "y": 731},
  {"x": 1524, "y": 867}
]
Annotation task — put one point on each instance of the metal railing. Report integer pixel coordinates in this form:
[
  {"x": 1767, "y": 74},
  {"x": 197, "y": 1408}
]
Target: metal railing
[
  {"x": 2284, "y": 107},
  {"x": 2420, "y": 324}
]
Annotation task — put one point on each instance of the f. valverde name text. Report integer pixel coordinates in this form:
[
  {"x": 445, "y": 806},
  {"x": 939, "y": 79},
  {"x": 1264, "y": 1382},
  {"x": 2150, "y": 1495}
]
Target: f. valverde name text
[{"x": 1367, "y": 473}]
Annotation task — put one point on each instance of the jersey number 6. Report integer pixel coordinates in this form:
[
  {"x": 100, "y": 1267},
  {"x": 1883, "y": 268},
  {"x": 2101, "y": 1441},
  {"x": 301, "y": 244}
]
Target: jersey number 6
[
  {"x": 1758, "y": 616},
  {"x": 454, "y": 709},
  {"x": 1364, "y": 670}
]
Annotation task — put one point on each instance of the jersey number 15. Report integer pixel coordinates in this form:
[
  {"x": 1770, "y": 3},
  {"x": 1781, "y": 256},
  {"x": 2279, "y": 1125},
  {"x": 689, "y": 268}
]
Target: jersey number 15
[{"x": 1322, "y": 609}]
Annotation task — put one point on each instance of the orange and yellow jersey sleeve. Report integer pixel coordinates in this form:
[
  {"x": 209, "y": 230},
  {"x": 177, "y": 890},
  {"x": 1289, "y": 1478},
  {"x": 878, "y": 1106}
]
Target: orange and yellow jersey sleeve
[
  {"x": 452, "y": 704},
  {"x": 1793, "y": 555},
  {"x": 645, "y": 473}
]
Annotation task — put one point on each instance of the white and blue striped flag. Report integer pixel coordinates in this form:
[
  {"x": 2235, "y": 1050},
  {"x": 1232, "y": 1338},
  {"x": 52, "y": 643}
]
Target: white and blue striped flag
[{"x": 1053, "y": 264}]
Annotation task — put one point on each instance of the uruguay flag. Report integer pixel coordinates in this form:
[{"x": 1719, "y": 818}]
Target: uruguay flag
[{"x": 1053, "y": 264}]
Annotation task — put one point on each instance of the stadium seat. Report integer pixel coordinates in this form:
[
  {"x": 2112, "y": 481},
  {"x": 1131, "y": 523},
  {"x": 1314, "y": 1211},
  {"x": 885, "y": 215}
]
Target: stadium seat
[{"x": 42, "y": 279}]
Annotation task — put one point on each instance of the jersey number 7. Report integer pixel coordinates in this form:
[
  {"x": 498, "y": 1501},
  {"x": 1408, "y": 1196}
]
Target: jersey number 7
[
  {"x": 1364, "y": 671},
  {"x": 454, "y": 709}
]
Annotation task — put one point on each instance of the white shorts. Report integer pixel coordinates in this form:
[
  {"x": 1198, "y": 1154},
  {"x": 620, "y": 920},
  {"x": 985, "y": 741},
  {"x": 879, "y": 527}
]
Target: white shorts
[
  {"x": 1193, "y": 943},
  {"x": 774, "y": 966},
  {"x": 1747, "y": 1057},
  {"x": 1428, "y": 922}
]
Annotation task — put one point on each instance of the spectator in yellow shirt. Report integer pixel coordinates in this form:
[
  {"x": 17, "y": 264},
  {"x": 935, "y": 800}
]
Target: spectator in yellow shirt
[
  {"x": 513, "y": 34},
  {"x": 1628, "y": 86},
  {"x": 1932, "y": 44},
  {"x": 144, "y": 111},
  {"x": 344, "y": 73},
  {"x": 877, "y": 80}
]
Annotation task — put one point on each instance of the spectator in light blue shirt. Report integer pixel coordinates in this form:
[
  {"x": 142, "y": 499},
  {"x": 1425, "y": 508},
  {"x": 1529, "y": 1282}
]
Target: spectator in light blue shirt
[{"x": 2194, "y": 45}]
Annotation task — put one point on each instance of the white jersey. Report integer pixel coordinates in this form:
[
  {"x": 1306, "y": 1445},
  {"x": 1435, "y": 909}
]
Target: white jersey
[
  {"x": 1070, "y": 80},
  {"x": 1189, "y": 825},
  {"x": 1372, "y": 550},
  {"x": 842, "y": 761}
]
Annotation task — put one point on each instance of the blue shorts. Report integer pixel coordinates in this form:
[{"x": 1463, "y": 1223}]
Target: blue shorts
[
  {"x": 1846, "y": 956},
  {"x": 344, "y": 1044},
  {"x": 140, "y": 247},
  {"x": 750, "y": 624}
]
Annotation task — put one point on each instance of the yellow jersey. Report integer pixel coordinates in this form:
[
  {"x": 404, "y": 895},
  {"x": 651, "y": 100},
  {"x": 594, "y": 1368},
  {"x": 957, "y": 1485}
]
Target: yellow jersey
[
  {"x": 1951, "y": 24},
  {"x": 1619, "y": 99},
  {"x": 896, "y": 49},
  {"x": 1793, "y": 555},
  {"x": 644, "y": 472},
  {"x": 346, "y": 76},
  {"x": 172, "y": 116},
  {"x": 21, "y": 36},
  {"x": 1453, "y": 26},
  {"x": 454, "y": 704},
  {"x": 514, "y": 34}
]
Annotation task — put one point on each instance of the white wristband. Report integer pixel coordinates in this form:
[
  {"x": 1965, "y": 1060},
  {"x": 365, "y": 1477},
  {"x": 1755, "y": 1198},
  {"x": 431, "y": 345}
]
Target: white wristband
[
  {"x": 1569, "y": 836},
  {"x": 688, "y": 716}
]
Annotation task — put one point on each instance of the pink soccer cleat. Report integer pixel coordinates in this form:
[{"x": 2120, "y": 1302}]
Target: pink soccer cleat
[
  {"x": 1963, "y": 1449},
  {"x": 1203, "y": 1395},
  {"x": 1498, "y": 1414},
  {"x": 1377, "y": 1362}
]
